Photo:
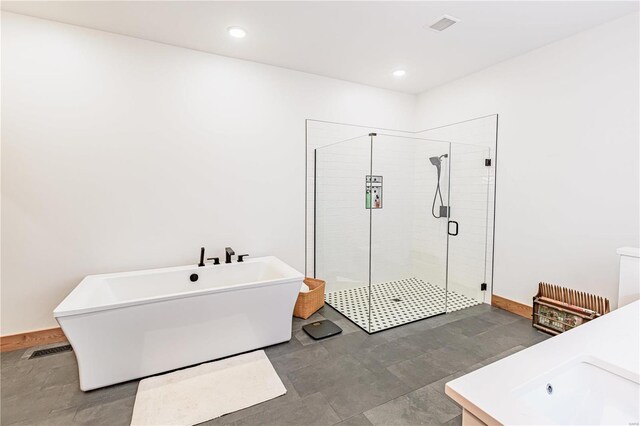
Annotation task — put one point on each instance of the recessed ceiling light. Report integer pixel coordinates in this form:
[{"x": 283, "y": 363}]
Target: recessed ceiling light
[
  {"x": 236, "y": 32},
  {"x": 399, "y": 73}
]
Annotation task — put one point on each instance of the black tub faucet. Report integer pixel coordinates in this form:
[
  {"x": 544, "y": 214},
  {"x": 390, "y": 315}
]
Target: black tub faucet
[
  {"x": 228, "y": 253},
  {"x": 201, "y": 257}
]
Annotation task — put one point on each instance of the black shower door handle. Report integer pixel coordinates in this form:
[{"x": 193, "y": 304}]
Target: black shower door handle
[{"x": 449, "y": 228}]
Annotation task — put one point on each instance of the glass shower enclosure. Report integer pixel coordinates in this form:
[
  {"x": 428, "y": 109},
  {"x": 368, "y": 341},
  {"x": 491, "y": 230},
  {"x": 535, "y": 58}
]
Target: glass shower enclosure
[{"x": 401, "y": 225}]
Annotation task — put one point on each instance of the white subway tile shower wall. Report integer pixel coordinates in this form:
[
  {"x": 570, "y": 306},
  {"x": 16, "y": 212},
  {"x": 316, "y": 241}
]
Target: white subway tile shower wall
[
  {"x": 392, "y": 226},
  {"x": 429, "y": 238},
  {"x": 321, "y": 134},
  {"x": 342, "y": 222}
]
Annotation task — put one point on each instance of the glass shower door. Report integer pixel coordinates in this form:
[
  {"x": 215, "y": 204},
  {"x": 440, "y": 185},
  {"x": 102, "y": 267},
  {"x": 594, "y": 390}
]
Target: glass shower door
[
  {"x": 469, "y": 250},
  {"x": 409, "y": 225}
]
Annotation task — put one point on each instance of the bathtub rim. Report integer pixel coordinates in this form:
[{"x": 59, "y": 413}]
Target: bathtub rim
[{"x": 294, "y": 276}]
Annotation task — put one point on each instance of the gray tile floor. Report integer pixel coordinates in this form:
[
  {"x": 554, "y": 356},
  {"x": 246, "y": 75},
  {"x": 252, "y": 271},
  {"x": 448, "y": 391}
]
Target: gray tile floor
[{"x": 395, "y": 377}]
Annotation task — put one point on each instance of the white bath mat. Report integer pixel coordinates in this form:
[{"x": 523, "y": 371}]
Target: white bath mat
[{"x": 207, "y": 391}]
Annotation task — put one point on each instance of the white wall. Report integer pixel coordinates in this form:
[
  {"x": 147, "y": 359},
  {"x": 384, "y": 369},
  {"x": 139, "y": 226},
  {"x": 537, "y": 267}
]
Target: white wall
[
  {"x": 120, "y": 154},
  {"x": 567, "y": 170}
]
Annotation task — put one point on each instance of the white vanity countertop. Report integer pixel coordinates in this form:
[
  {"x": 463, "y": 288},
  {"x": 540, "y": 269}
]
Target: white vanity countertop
[{"x": 491, "y": 393}]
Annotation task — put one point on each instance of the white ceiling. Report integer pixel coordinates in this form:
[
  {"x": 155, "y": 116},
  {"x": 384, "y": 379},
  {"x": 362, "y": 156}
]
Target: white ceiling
[{"x": 361, "y": 42}]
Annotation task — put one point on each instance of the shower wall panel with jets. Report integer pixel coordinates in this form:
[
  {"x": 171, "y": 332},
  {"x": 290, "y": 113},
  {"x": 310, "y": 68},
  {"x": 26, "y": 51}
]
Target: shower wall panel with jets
[{"x": 425, "y": 249}]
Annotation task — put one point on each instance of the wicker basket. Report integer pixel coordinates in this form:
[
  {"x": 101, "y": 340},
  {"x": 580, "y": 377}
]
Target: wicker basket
[{"x": 308, "y": 303}]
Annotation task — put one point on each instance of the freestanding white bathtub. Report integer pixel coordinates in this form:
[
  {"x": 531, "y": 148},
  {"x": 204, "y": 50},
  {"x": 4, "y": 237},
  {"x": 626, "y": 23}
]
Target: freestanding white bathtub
[{"x": 135, "y": 324}]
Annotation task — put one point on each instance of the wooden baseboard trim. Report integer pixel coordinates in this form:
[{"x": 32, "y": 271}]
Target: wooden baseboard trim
[
  {"x": 54, "y": 335},
  {"x": 512, "y": 306},
  {"x": 32, "y": 338}
]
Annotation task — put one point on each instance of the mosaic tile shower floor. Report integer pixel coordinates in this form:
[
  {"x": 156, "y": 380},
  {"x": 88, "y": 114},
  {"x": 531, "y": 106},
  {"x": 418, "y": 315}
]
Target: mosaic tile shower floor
[{"x": 395, "y": 303}]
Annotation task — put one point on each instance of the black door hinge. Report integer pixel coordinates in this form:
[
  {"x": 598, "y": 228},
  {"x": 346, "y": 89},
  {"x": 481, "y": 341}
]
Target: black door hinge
[
  {"x": 487, "y": 162},
  {"x": 483, "y": 286}
]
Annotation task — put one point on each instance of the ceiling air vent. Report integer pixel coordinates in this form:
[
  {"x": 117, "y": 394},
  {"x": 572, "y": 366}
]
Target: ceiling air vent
[{"x": 443, "y": 23}]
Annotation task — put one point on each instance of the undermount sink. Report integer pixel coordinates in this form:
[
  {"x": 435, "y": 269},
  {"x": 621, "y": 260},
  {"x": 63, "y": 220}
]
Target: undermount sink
[{"x": 584, "y": 391}]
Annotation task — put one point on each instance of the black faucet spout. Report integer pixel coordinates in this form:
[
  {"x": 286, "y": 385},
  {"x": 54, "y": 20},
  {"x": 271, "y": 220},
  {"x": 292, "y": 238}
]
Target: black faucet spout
[
  {"x": 228, "y": 253},
  {"x": 201, "y": 257}
]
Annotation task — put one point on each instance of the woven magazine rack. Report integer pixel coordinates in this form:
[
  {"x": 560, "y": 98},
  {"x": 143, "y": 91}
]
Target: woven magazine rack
[{"x": 558, "y": 309}]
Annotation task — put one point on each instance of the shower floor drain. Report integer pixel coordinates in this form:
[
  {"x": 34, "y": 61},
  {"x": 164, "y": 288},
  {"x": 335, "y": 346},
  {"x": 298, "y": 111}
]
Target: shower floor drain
[
  {"x": 396, "y": 299},
  {"x": 50, "y": 351}
]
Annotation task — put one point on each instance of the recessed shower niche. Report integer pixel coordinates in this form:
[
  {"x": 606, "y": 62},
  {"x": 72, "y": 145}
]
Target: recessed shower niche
[
  {"x": 373, "y": 192},
  {"x": 421, "y": 243}
]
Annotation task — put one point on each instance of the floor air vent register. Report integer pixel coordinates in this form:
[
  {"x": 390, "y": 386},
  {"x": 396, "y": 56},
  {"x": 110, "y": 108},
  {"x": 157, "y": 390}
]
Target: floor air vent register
[{"x": 50, "y": 351}]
